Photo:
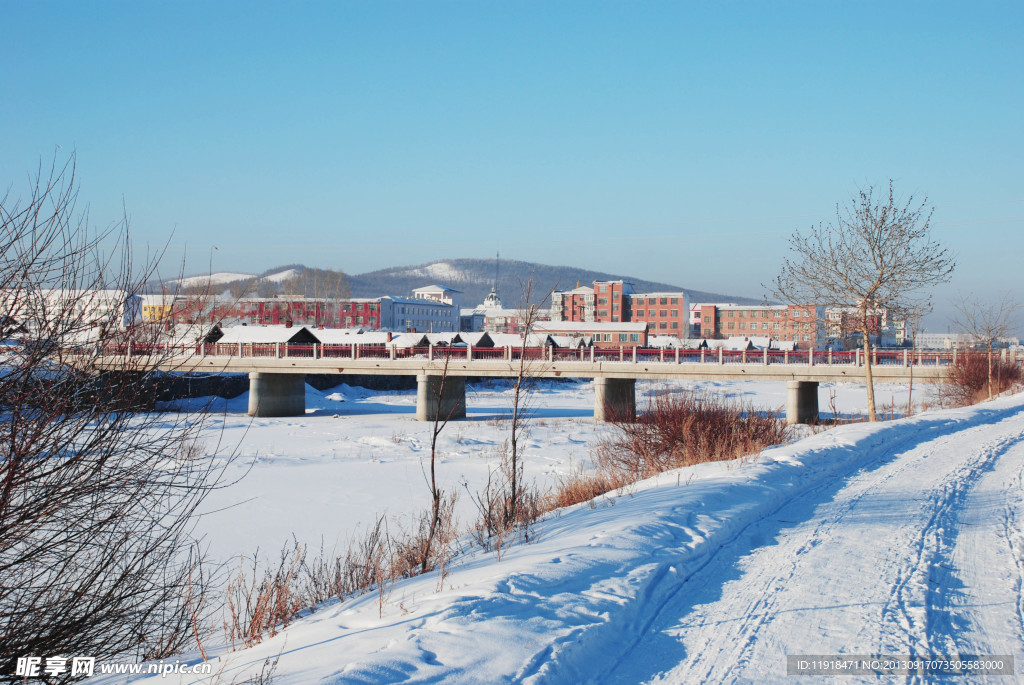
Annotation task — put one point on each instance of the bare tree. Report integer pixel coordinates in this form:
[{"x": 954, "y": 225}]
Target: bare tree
[
  {"x": 441, "y": 506},
  {"x": 97, "y": 501},
  {"x": 986, "y": 323},
  {"x": 506, "y": 505},
  {"x": 878, "y": 256}
]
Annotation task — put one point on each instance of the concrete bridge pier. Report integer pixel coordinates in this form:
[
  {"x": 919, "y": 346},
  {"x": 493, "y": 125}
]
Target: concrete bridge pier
[
  {"x": 614, "y": 399},
  {"x": 432, "y": 403},
  {"x": 277, "y": 394},
  {"x": 801, "y": 402}
]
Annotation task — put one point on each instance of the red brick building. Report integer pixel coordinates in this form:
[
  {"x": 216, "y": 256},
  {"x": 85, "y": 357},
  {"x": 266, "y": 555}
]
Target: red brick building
[
  {"x": 664, "y": 313},
  {"x": 615, "y": 302},
  {"x": 801, "y": 324}
]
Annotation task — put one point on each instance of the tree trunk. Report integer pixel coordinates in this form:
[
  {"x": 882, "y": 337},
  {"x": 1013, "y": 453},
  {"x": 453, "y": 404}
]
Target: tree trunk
[
  {"x": 990, "y": 370},
  {"x": 867, "y": 366}
]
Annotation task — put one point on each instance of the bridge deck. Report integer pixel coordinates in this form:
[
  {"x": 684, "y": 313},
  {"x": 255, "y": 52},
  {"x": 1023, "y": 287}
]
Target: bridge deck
[{"x": 624, "y": 363}]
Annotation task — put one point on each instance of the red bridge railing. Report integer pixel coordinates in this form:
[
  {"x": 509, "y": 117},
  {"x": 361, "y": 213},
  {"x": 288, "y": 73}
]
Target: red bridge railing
[{"x": 881, "y": 358}]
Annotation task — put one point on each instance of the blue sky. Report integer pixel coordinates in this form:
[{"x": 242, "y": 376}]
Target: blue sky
[{"x": 675, "y": 141}]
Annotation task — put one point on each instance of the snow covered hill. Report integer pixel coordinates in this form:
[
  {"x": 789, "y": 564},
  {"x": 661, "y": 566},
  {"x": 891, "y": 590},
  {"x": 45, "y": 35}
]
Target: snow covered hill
[{"x": 892, "y": 538}]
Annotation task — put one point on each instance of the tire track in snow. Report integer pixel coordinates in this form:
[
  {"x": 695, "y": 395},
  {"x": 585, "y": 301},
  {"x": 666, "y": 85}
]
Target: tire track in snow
[
  {"x": 611, "y": 652},
  {"x": 915, "y": 605},
  {"x": 931, "y": 573}
]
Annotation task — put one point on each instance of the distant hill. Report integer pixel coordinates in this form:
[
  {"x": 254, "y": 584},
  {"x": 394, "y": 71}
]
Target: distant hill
[{"x": 474, "y": 277}]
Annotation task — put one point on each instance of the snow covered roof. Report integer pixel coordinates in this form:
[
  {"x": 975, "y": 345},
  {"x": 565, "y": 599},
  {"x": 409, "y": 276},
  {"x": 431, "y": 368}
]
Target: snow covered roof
[
  {"x": 477, "y": 338},
  {"x": 263, "y": 334}
]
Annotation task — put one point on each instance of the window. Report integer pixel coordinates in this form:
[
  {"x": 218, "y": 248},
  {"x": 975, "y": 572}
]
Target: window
[
  {"x": 623, "y": 337},
  {"x": 634, "y": 337},
  {"x": 675, "y": 313},
  {"x": 675, "y": 300},
  {"x": 707, "y": 320},
  {"x": 602, "y": 288},
  {"x": 743, "y": 325},
  {"x": 602, "y": 312},
  {"x": 662, "y": 325},
  {"x": 764, "y": 326},
  {"x": 732, "y": 325},
  {"x": 675, "y": 325},
  {"x": 640, "y": 314},
  {"x": 664, "y": 300},
  {"x": 663, "y": 312},
  {"x": 602, "y": 300},
  {"x": 743, "y": 313}
]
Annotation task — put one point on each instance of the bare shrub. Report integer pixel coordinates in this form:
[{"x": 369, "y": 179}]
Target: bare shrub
[
  {"x": 259, "y": 604},
  {"x": 97, "y": 502},
  {"x": 508, "y": 508},
  {"x": 684, "y": 428},
  {"x": 967, "y": 380},
  {"x": 427, "y": 545}
]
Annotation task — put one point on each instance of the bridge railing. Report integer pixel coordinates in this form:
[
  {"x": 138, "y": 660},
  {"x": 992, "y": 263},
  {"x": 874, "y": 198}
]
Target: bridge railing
[{"x": 852, "y": 358}]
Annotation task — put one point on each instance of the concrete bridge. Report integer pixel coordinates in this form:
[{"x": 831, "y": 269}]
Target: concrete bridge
[{"x": 277, "y": 384}]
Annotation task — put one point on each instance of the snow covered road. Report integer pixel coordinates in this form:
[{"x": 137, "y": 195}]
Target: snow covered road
[
  {"x": 892, "y": 538},
  {"x": 918, "y": 552}
]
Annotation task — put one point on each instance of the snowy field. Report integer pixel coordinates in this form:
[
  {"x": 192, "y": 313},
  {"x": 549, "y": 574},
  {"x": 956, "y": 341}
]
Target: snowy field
[
  {"x": 900, "y": 538},
  {"x": 359, "y": 454}
]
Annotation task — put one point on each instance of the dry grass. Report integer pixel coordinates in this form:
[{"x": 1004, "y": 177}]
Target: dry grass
[
  {"x": 677, "y": 430},
  {"x": 580, "y": 486},
  {"x": 967, "y": 379},
  {"x": 261, "y": 601},
  {"x": 685, "y": 428}
]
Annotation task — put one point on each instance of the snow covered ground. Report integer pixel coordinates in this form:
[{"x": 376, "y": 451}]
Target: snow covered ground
[
  {"x": 892, "y": 538},
  {"x": 359, "y": 454}
]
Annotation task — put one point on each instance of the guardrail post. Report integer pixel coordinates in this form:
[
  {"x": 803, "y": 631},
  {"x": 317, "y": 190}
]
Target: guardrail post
[
  {"x": 721, "y": 357},
  {"x": 785, "y": 356},
  {"x": 551, "y": 353},
  {"x": 277, "y": 350},
  {"x": 954, "y": 356},
  {"x": 352, "y": 351},
  {"x": 743, "y": 356},
  {"x": 663, "y": 354},
  {"x": 874, "y": 356},
  {"x": 430, "y": 352},
  {"x": 391, "y": 352},
  {"x": 469, "y": 353},
  {"x": 702, "y": 351},
  {"x": 810, "y": 357},
  {"x": 622, "y": 354},
  {"x": 634, "y": 355},
  {"x": 857, "y": 357},
  {"x": 239, "y": 349},
  {"x": 591, "y": 353},
  {"x": 766, "y": 356},
  {"x": 906, "y": 357},
  {"x": 677, "y": 355},
  {"x": 830, "y": 357}
]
